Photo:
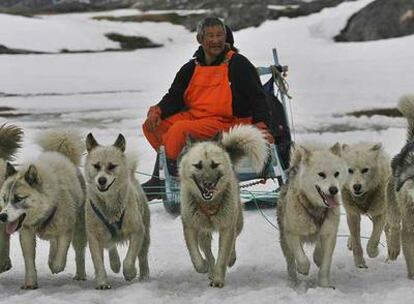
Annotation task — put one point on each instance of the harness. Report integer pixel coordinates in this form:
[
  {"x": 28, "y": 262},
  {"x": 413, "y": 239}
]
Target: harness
[
  {"x": 113, "y": 228},
  {"x": 317, "y": 214},
  {"x": 209, "y": 210},
  {"x": 45, "y": 223}
]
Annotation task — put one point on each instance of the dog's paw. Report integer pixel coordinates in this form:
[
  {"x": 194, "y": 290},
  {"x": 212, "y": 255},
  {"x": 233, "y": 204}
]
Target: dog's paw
[
  {"x": 217, "y": 283},
  {"x": 104, "y": 286},
  {"x": 393, "y": 252},
  {"x": 372, "y": 250},
  {"x": 130, "y": 273},
  {"x": 144, "y": 277},
  {"x": 360, "y": 263},
  {"x": 201, "y": 267},
  {"x": 114, "y": 261},
  {"x": 326, "y": 286},
  {"x": 143, "y": 274},
  {"x": 29, "y": 286},
  {"x": 303, "y": 267},
  {"x": 324, "y": 282},
  {"x": 79, "y": 277},
  {"x": 349, "y": 243},
  {"x": 5, "y": 265},
  {"x": 57, "y": 267}
]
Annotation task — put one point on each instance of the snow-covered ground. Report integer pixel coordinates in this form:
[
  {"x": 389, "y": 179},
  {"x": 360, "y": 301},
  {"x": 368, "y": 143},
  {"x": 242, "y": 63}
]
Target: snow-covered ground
[{"x": 109, "y": 93}]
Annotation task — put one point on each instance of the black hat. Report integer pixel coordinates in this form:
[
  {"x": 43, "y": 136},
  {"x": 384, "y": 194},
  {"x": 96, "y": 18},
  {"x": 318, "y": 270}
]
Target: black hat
[{"x": 229, "y": 36}]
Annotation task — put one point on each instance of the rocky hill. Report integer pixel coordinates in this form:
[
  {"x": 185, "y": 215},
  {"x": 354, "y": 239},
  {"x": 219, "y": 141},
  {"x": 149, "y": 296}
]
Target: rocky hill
[
  {"x": 238, "y": 14},
  {"x": 380, "y": 19}
]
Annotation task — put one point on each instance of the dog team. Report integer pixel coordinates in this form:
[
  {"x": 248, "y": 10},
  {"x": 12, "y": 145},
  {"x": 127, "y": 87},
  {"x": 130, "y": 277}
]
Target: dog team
[{"x": 104, "y": 206}]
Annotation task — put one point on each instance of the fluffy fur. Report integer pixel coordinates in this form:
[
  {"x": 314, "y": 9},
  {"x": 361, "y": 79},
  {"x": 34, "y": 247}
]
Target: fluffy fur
[
  {"x": 210, "y": 199},
  {"x": 400, "y": 194},
  {"x": 364, "y": 194},
  {"x": 10, "y": 142},
  {"x": 46, "y": 198},
  {"x": 115, "y": 194},
  {"x": 308, "y": 209}
]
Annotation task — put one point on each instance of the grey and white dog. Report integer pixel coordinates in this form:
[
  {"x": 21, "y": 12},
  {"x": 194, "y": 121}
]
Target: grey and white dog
[
  {"x": 400, "y": 194},
  {"x": 308, "y": 209},
  {"x": 364, "y": 194},
  {"x": 45, "y": 198},
  {"x": 10, "y": 142},
  {"x": 210, "y": 198},
  {"x": 116, "y": 210}
]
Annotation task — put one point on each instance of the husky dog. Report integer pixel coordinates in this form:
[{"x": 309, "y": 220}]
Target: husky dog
[
  {"x": 46, "y": 198},
  {"x": 364, "y": 194},
  {"x": 308, "y": 209},
  {"x": 210, "y": 199},
  {"x": 116, "y": 210},
  {"x": 10, "y": 141},
  {"x": 400, "y": 194}
]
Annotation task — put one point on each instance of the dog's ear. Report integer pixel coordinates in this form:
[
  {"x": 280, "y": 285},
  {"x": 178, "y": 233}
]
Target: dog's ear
[
  {"x": 120, "y": 143},
  {"x": 299, "y": 154},
  {"x": 10, "y": 170},
  {"x": 32, "y": 176},
  {"x": 91, "y": 142},
  {"x": 336, "y": 149}
]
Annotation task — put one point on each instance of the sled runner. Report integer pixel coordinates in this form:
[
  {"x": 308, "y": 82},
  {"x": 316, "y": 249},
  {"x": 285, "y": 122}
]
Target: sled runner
[{"x": 275, "y": 169}]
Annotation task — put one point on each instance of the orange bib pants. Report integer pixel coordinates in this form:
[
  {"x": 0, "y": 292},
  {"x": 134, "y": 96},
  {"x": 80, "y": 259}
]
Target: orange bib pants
[{"x": 209, "y": 101}]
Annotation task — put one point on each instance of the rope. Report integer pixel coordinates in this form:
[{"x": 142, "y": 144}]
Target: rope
[
  {"x": 280, "y": 81},
  {"x": 283, "y": 88},
  {"x": 261, "y": 211}
]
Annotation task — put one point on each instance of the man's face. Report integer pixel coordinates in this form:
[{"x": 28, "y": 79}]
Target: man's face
[{"x": 213, "y": 40}]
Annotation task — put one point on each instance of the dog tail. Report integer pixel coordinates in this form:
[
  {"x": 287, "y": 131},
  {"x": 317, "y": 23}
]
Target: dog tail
[
  {"x": 68, "y": 143},
  {"x": 406, "y": 107},
  {"x": 246, "y": 140},
  {"x": 11, "y": 138},
  {"x": 132, "y": 163}
]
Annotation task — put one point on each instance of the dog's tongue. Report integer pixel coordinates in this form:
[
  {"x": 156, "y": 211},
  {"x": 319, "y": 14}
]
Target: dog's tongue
[
  {"x": 11, "y": 227},
  {"x": 332, "y": 203}
]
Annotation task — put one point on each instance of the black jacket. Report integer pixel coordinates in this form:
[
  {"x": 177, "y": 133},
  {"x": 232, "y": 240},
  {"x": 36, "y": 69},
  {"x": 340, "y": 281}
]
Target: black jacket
[{"x": 247, "y": 93}]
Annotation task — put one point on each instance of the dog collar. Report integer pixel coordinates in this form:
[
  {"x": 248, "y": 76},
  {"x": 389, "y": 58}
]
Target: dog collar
[{"x": 113, "y": 228}]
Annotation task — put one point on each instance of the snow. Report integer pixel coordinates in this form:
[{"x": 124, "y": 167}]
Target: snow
[{"x": 109, "y": 93}]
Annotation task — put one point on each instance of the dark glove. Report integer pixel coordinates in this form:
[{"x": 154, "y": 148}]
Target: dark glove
[
  {"x": 265, "y": 130},
  {"x": 153, "y": 118}
]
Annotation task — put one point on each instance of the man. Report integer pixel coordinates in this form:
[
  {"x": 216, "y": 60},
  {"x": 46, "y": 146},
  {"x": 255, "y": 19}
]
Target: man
[{"x": 214, "y": 91}]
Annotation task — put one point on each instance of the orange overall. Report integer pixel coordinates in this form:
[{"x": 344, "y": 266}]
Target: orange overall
[{"x": 208, "y": 99}]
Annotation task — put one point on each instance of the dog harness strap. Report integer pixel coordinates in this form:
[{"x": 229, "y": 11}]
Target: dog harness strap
[
  {"x": 120, "y": 221},
  {"x": 317, "y": 217},
  {"x": 44, "y": 224},
  {"x": 209, "y": 92},
  {"x": 209, "y": 210},
  {"x": 112, "y": 229}
]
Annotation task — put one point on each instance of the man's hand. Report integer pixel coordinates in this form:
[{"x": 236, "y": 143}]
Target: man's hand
[
  {"x": 265, "y": 130},
  {"x": 153, "y": 118}
]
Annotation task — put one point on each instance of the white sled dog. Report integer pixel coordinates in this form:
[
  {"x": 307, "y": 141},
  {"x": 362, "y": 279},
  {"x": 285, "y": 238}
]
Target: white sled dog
[
  {"x": 46, "y": 198},
  {"x": 10, "y": 142},
  {"x": 116, "y": 210},
  {"x": 308, "y": 209},
  {"x": 364, "y": 194},
  {"x": 400, "y": 195},
  {"x": 210, "y": 199}
]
